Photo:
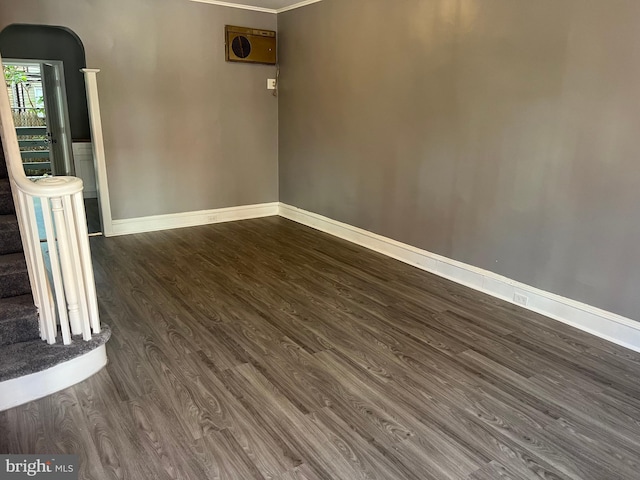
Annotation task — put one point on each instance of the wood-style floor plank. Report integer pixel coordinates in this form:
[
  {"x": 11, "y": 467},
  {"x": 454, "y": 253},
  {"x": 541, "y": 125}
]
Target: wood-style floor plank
[{"x": 263, "y": 349}]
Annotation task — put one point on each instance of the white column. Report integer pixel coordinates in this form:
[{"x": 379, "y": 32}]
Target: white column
[
  {"x": 97, "y": 142},
  {"x": 85, "y": 261}
]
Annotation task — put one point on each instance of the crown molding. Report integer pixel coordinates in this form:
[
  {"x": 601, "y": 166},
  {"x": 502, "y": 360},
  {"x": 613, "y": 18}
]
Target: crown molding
[
  {"x": 297, "y": 5},
  {"x": 254, "y": 8},
  {"x": 237, "y": 5}
]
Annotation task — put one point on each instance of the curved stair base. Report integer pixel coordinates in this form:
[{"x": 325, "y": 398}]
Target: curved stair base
[{"x": 17, "y": 391}]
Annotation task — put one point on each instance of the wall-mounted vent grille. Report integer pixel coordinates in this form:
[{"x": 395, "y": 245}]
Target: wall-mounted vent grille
[{"x": 250, "y": 45}]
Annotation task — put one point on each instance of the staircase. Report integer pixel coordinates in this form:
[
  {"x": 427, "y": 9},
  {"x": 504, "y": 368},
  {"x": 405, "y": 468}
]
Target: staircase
[
  {"x": 50, "y": 331},
  {"x": 18, "y": 315},
  {"x": 30, "y": 367}
]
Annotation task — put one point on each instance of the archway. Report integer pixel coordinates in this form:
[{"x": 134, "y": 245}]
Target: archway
[
  {"x": 61, "y": 46},
  {"x": 44, "y": 42}
]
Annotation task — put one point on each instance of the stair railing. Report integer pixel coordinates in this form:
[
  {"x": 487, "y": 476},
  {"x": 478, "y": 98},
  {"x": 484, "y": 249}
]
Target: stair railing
[{"x": 60, "y": 269}]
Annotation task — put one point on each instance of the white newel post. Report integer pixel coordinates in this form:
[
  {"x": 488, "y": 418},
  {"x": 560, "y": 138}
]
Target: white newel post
[
  {"x": 97, "y": 143},
  {"x": 86, "y": 265}
]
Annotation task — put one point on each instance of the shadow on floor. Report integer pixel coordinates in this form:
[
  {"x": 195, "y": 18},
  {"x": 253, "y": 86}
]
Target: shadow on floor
[{"x": 93, "y": 215}]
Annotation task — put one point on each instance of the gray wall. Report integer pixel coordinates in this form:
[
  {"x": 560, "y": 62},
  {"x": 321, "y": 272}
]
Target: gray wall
[
  {"x": 184, "y": 130},
  {"x": 501, "y": 133}
]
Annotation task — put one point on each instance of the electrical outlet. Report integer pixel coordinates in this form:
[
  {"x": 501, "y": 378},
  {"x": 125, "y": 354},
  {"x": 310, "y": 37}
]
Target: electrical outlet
[
  {"x": 271, "y": 83},
  {"x": 520, "y": 299},
  {"x": 213, "y": 218}
]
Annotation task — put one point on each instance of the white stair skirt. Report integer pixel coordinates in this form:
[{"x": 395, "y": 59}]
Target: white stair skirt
[{"x": 27, "y": 388}]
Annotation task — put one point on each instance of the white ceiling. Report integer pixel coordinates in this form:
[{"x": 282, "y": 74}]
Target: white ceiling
[{"x": 270, "y": 6}]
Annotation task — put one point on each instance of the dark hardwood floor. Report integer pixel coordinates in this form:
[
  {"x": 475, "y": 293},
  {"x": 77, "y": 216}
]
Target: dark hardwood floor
[{"x": 264, "y": 349}]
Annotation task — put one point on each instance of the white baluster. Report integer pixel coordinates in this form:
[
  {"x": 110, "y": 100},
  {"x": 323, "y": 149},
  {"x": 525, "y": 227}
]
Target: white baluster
[
  {"x": 66, "y": 265},
  {"x": 20, "y": 207},
  {"x": 48, "y": 330},
  {"x": 58, "y": 285}
]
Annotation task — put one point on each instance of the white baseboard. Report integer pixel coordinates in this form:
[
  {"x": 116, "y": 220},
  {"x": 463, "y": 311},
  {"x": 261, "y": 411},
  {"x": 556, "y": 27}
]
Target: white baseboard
[
  {"x": 192, "y": 219},
  {"x": 609, "y": 326},
  {"x": 27, "y": 388}
]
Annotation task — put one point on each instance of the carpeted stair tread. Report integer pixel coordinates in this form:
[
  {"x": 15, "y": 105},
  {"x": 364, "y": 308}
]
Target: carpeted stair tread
[
  {"x": 17, "y": 305},
  {"x": 14, "y": 278},
  {"x": 18, "y": 320},
  {"x": 34, "y": 356},
  {"x": 12, "y": 263},
  {"x": 10, "y": 241},
  {"x": 6, "y": 200}
]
